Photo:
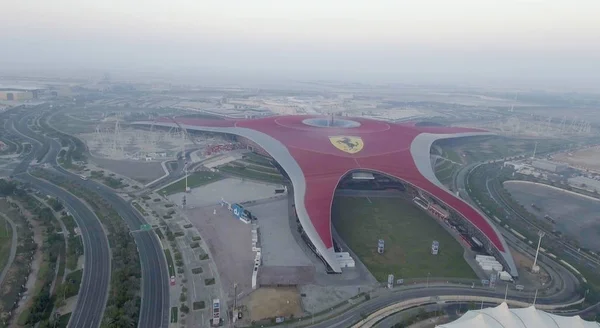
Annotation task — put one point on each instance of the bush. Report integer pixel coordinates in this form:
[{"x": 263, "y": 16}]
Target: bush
[
  {"x": 184, "y": 308},
  {"x": 197, "y": 270},
  {"x": 198, "y": 305},
  {"x": 187, "y": 226},
  {"x": 159, "y": 233},
  {"x": 196, "y": 238},
  {"x": 195, "y": 245},
  {"x": 209, "y": 281},
  {"x": 203, "y": 257}
]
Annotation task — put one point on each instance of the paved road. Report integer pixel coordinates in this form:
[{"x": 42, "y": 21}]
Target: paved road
[
  {"x": 154, "y": 308},
  {"x": 13, "y": 247},
  {"x": 173, "y": 175},
  {"x": 95, "y": 282},
  {"x": 356, "y": 314}
]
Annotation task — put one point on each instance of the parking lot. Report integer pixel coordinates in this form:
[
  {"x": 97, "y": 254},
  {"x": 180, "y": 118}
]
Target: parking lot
[
  {"x": 230, "y": 243},
  {"x": 279, "y": 248}
]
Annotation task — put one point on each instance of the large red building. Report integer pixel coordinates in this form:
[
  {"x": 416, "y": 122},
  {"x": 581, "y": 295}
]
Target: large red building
[{"x": 317, "y": 152}]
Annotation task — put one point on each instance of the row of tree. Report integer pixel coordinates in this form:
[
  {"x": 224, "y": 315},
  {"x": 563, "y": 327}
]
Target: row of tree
[{"x": 122, "y": 308}]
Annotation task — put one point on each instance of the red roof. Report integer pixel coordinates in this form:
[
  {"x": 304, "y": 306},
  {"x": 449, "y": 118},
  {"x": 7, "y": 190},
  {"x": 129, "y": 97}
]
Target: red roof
[{"x": 386, "y": 149}]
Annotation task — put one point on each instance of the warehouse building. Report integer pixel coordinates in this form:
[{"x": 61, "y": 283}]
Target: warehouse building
[
  {"x": 549, "y": 166},
  {"x": 19, "y": 93}
]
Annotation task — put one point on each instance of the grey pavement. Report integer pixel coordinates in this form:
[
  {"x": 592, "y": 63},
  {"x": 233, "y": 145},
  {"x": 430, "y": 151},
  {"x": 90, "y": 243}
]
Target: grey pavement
[
  {"x": 143, "y": 172},
  {"x": 230, "y": 189},
  {"x": 278, "y": 247},
  {"x": 229, "y": 242}
]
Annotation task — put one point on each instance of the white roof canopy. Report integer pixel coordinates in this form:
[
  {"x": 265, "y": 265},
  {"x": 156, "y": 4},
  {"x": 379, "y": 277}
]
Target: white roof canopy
[{"x": 503, "y": 317}]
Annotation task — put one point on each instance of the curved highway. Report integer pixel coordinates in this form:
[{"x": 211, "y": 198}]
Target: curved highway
[
  {"x": 357, "y": 313},
  {"x": 95, "y": 282},
  {"x": 154, "y": 308}
]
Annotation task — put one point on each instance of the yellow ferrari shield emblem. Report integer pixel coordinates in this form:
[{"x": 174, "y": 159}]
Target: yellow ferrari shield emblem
[{"x": 348, "y": 144}]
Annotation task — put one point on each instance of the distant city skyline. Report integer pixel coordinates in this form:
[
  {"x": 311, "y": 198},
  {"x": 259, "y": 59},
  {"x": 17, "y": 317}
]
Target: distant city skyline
[{"x": 528, "y": 41}]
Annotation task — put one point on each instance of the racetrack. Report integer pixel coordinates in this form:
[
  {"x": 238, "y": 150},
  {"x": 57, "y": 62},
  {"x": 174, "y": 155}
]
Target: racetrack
[{"x": 575, "y": 215}]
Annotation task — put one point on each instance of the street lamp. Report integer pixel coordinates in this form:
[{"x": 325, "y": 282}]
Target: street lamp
[
  {"x": 535, "y": 268},
  {"x": 428, "y": 274}
]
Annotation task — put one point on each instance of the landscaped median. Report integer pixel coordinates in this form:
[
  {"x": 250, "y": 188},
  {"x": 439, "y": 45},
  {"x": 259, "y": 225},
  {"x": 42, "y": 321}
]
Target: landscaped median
[
  {"x": 51, "y": 265},
  {"x": 125, "y": 266},
  {"x": 16, "y": 274}
]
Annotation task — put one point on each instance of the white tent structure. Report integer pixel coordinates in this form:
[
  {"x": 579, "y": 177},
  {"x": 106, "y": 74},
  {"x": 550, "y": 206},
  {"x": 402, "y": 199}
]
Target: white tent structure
[{"x": 503, "y": 317}]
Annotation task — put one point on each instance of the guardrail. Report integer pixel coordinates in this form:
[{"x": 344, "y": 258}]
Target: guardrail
[{"x": 379, "y": 315}]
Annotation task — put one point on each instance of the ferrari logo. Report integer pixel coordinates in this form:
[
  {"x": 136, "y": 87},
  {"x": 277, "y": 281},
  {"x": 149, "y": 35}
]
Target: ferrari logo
[{"x": 350, "y": 145}]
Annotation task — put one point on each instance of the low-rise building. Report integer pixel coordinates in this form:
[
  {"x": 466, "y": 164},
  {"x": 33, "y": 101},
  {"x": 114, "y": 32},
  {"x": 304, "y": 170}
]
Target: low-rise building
[
  {"x": 549, "y": 165},
  {"x": 15, "y": 95}
]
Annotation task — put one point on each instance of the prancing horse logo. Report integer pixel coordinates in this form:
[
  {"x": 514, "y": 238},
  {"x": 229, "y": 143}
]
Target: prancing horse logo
[{"x": 348, "y": 144}]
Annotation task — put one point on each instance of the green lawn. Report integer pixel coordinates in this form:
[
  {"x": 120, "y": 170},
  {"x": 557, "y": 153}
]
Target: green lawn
[
  {"x": 258, "y": 159},
  {"x": 5, "y": 241},
  {"x": 139, "y": 208},
  {"x": 251, "y": 174},
  {"x": 63, "y": 321},
  {"x": 69, "y": 223},
  {"x": 174, "y": 311},
  {"x": 259, "y": 167},
  {"x": 72, "y": 284},
  {"x": 453, "y": 156},
  {"x": 445, "y": 172},
  {"x": 170, "y": 263},
  {"x": 195, "y": 179},
  {"x": 407, "y": 232}
]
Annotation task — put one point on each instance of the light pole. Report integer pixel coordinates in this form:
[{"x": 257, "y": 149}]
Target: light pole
[
  {"x": 535, "y": 297},
  {"x": 506, "y": 293},
  {"x": 427, "y": 285},
  {"x": 534, "y": 267}
]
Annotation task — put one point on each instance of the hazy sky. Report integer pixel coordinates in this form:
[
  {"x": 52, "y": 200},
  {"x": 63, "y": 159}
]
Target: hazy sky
[{"x": 400, "y": 40}]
